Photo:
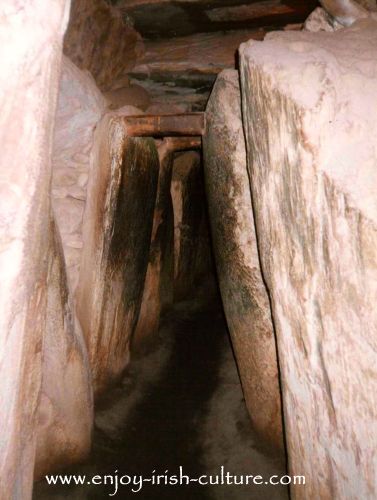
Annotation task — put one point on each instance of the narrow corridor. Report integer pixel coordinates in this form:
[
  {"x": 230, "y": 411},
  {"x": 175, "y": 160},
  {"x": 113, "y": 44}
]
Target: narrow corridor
[{"x": 181, "y": 405}]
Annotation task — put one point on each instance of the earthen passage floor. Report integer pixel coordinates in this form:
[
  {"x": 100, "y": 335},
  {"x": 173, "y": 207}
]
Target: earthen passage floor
[{"x": 181, "y": 405}]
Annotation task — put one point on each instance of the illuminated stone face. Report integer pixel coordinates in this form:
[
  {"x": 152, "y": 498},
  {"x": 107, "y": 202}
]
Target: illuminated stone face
[{"x": 312, "y": 163}]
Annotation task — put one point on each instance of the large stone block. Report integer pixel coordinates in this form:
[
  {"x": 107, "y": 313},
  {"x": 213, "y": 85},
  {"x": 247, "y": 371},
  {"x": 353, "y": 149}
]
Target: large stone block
[
  {"x": 158, "y": 287},
  {"x": 30, "y": 51},
  {"x": 65, "y": 413},
  {"x": 80, "y": 107},
  {"x": 307, "y": 104},
  {"x": 117, "y": 233},
  {"x": 243, "y": 292},
  {"x": 97, "y": 39}
]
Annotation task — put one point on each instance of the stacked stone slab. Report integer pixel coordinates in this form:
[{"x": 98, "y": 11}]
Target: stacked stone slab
[
  {"x": 308, "y": 104},
  {"x": 30, "y": 51},
  {"x": 243, "y": 292}
]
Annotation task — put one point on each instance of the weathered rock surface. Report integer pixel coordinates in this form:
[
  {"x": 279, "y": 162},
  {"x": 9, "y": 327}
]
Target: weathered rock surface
[
  {"x": 158, "y": 287},
  {"x": 65, "y": 413},
  {"x": 345, "y": 12},
  {"x": 172, "y": 18},
  {"x": 117, "y": 232},
  {"x": 98, "y": 39},
  {"x": 203, "y": 53},
  {"x": 183, "y": 72},
  {"x": 133, "y": 95},
  {"x": 312, "y": 156},
  {"x": 30, "y": 48},
  {"x": 243, "y": 292},
  {"x": 192, "y": 259},
  {"x": 80, "y": 107},
  {"x": 320, "y": 20}
]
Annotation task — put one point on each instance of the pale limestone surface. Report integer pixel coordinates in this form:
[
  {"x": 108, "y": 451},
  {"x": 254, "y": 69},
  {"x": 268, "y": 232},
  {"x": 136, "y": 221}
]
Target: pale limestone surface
[
  {"x": 30, "y": 51},
  {"x": 117, "y": 232},
  {"x": 80, "y": 107},
  {"x": 307, "y": 101},
  {"x": 243, "y": 292},
  {"x": 65, "y": 414},
  {"x": 320, "y": 20}
]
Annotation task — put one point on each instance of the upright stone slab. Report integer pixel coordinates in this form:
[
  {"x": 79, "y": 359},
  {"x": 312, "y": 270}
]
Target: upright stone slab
[
  {"x": 308, "y": 104},
  {"x": 117, "y": 233},
  {"x": 192, "y": 260},
  {"x": 243, "y": 292},
  {"x": 30, "y": 52},
  {"x": 65, "y": 413},
  {"x": 160, "y": 272}
]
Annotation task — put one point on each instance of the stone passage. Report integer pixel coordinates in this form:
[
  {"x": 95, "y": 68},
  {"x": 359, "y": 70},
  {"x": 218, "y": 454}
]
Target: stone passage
[
  {"x": 104, "y": 228},
  {"x": 182, "y": 404}
]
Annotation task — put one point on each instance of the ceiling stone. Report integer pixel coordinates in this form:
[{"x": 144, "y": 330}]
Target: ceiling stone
[{"x": 176, "y": 18}]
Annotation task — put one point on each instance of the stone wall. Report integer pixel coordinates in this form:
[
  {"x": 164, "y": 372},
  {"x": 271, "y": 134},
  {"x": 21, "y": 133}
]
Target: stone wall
[
  {"x": 97, "y": 39},
  {"x": 243, "y": 292},
  {"x": 65, "y": 413},
  {"x": 312, "y": 157},
  {"x": 80, "y": 107},
  {"x": 30, "y": 51}
]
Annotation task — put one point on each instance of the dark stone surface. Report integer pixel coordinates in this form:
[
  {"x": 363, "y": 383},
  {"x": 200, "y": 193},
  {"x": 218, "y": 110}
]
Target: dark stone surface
[
  {"x": 170, "y": 19},
  {"x": 117, "y": 232}
]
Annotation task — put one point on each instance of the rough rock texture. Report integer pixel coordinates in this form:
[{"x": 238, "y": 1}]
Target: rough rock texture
[
  {"x": 97, "y": 39},
  {"x": 158, "y": 285},
  {"x": 192, "y": 259},
  {"x": 172, "y": 18},
  {"x": 183, "y": 72},
  {"x": 243, "y": 292},
  {"x": 320, "y": 20},
  {"x": 30, "y": 48},
  {"x": 117, "y": 231},
  {"x": 80, "y": 106},
  {"x": 200, "y": 53},
  {"x": 312, "y": 157},
  {"x": 133, "y": 95},
  {"x": 65, "y": 413}
]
